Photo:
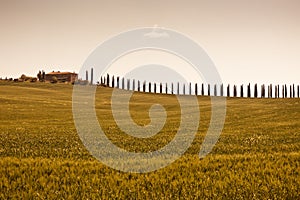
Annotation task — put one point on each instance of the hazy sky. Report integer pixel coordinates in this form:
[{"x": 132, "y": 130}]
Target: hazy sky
[{"x": 249, "y": 41}]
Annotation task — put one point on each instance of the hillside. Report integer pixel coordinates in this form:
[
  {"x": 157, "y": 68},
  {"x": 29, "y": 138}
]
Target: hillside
[{"x": 256, "y": 157}]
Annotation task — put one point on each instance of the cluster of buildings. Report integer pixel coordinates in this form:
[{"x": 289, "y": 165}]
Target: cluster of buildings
[{"x": 61, "y": 76}]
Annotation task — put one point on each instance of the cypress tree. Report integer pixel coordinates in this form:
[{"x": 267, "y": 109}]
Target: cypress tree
[
  {"x": 249, "y": 91},
  {"x": 166, "y": 88},
  {"x": 215, "y": 90},
  {"x": 222, "y": 90},
  {"x": 255, "y": 91},
  {"x": 92, "y": 76},
  {"x": 293, "y": 91},
  {"x": 228, "y": 90},
  {"x": 160, "y": 88},
  {"x": 112, "y": 81},
  {"x": 118, "y": 82},
  {"x": 144, "y": 86},
  {"x": 133, "y": 84},
  {"x": 234, "y": 91},
  {"x": 242, "y": 91},
  {"x": 128, "y": 84},
  {"x": 107, "y": 80}
]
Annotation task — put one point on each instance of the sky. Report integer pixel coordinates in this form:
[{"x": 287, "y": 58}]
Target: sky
[{"x": 255, "y": 41}]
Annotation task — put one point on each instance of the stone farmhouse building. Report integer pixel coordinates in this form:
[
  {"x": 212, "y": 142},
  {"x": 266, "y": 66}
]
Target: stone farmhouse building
[{"x": 62, "y": 76}]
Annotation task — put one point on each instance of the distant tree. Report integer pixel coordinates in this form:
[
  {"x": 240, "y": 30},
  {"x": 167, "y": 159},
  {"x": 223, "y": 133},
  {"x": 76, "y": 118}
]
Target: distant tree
[
  {"x": 144, "y": 86},
  {"x": 215, "y": 90},
  {"x": 39, "y": 75},
  {"x": 222, "y": 90},
  {"x": 113, "y": 81},
  {"x": 23, "y": 77},
  {"x": 160, "y": 88},
  {"x": 133, "y": 84},
  {"x": 118, "y": 82},
  {"x": 242, "y": 91},
  {"x": 285, "y": 91},
  {"x": 43, "y": 75},
  {"x": 128, "y": 84},
  {"x": 263, "y": 91},
  {"x": 255, "y": 91},
  {"x": 166, "y": 88},
  {"x": 107, "y": 83},
  {"x": 249, "y": 91},
  {"x": 228, "y": 90},
  {"x": 234, "y": 91},
  {"x": 293, "y": 90}
]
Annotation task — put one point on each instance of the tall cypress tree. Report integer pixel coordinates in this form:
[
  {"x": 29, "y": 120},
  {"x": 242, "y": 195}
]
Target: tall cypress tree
[
  {"x": 107, "y": 80},
  {"x": 222, "y": 90},
  {"x": 249, "y": 91},
  {"x": 160, "y": 88},
  {"x": 112, "y": 81},
  {"x": 215, "y": 90},
  {"x": 228, "y": 90},
  {"x": 242, "y": 91},
  {"x": 234, "y": 91},
  {"x": 255, "y": 91}
]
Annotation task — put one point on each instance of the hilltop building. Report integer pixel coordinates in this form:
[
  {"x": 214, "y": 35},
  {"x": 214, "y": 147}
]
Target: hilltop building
[{"x": 61, "y": 76}]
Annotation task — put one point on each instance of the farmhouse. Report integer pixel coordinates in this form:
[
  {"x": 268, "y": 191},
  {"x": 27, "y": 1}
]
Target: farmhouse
[{"x": 61, "y": 76}]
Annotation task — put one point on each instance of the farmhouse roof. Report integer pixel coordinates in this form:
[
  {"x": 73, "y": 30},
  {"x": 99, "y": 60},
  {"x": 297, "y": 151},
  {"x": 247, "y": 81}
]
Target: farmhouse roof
[{"x": 58, "y": 72}]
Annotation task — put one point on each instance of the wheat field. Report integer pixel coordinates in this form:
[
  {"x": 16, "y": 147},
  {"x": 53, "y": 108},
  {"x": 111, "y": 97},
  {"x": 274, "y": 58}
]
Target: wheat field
[{"x": 42, "y": 157}]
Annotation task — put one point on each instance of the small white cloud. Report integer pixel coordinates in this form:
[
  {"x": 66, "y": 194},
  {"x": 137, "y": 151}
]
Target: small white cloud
[{"x": 156, "y": 33}]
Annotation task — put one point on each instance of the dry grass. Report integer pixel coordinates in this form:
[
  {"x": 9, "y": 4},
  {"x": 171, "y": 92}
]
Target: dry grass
[{"x": 256, "y": 157}]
